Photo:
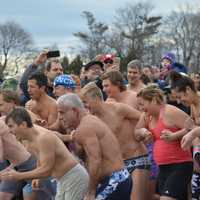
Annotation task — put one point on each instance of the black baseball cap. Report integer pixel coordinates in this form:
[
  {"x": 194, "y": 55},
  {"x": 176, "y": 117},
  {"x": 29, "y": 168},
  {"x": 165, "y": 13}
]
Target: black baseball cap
[{"x": 93, "y": 62}]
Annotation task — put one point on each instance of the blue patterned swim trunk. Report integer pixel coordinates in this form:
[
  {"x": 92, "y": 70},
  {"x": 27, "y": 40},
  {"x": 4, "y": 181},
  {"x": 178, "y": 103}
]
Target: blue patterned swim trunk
[{"x": 115, "y": 187}]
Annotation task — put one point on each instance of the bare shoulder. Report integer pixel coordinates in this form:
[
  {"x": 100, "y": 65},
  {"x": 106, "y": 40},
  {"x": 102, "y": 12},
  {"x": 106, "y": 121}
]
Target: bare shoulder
[
  {"x": 52, "y": 101},
  {"x": 30, "y": 102},
  {"x": 131, "y": 93},
  {"x": 172, "y": 111},
  {"x": 89, "y": 125},
  {"x": 89, "y": 121},
  {"x": 111, "y": 104},
  {"x": 52, "y": 105},
  {"x": 120, "y": 107},
  {"x": 45, "y": 135}
]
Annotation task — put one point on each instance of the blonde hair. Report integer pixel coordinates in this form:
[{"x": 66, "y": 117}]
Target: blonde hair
[
  {"x": 91, "y": 90},
  {"x": 151, "y": 92}
]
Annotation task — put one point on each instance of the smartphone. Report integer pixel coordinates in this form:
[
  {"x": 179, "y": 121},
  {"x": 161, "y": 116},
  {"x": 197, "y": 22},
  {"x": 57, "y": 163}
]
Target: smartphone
[{"x": 52, "y": 54}]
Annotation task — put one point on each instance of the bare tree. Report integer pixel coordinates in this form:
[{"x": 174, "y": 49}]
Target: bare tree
[
  {"x": 14, "y": 42},
  {"x": 137, "y": 25},
  {"x": 93, "y": 40},
  {"x": 183, "y": 29}
]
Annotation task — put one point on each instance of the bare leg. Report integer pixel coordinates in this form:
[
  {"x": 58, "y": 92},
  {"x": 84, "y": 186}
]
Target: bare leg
[
  {"x": 140, "y": 184},
  {"x": 6, "y": 196},
  {"x": 152, "y": 190},
  {"x": 32, "y": 196},
  {"x": 28, "y": 193}
]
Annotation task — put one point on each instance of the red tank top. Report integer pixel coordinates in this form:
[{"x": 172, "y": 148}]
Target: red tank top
[{"x": 167, "y": 152}]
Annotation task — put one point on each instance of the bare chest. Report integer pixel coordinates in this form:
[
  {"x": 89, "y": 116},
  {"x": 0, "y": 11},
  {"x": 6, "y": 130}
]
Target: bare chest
[
  {"x": 41, "y": 110},
  {"x": 113, "y": 121}
]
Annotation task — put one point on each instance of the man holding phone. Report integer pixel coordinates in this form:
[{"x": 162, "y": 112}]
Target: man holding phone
[{"x": 52, "y": 67}]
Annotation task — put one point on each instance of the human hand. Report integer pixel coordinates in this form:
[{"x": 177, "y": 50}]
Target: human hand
[
  {"x": 35, "y": 183},
  {"x": 167, "y": 135},
  {"x": 189, "y": 124},
  {"x": 9, "y": 175},
  {"x": 146, "y": 136},
  {"x": 41, "y": 122},
  {"x": 186, "y": 141},
  {"x": 72, "y": 135},
  {"x": 41, "y": 58}
]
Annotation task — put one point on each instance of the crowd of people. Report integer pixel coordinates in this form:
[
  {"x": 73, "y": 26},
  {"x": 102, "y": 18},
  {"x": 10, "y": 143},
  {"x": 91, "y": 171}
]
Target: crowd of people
[{"x": 101, "y": 135}]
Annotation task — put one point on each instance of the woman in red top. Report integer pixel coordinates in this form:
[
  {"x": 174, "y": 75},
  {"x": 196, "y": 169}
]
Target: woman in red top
[{"x": 165, "y": 125}]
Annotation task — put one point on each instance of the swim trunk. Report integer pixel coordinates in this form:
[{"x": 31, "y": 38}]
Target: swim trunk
[
  {"x": 196, "y": 186},
  {"x": 140, "y": 162},
  {"x": 15, "y": 187},
  {"x": 46, "y": 190},
  {"x": 4, "y": 164},
  {"x": 173, "y": 180},
  {"x": 115, "y": 187},
  {"x": 154, "y": 169},
  {"x": 73, "y": 185}
]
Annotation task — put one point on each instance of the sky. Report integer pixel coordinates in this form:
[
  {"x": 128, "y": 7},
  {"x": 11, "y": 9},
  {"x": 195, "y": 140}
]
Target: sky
[{"x": 54, "y": 21}]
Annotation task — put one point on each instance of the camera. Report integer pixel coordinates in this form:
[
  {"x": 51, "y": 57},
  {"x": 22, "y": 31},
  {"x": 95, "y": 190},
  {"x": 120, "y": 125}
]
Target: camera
[{"x": 52, "y": 54}]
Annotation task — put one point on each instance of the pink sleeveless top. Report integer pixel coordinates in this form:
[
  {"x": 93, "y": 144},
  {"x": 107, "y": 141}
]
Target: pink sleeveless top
[{"x": 167, "y": 152}]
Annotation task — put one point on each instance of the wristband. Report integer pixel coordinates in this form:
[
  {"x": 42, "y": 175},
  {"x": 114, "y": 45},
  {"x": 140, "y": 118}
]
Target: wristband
[{"x": 196, "y": 150}]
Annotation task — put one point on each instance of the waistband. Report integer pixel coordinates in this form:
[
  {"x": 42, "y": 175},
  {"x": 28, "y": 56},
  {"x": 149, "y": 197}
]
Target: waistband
[
  {"x": 78, "y": 167},
  {"x": 28, "y": 164},
  {"x": 137, "y": 157}
]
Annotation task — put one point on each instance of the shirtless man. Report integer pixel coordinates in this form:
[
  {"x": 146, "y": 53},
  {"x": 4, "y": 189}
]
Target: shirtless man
[
  {"x": 16, "y": 153},
  {"x": 63, "y": 84},
  {"x": 53, "y": 158},
  {"x": 52, "y": 68},
  {"x": 133, "y": 74},
  {"x": 189, "y": 96},
  {"x": 41, "y": 104},
  {"x": 134, "y": 153},
  {"x": 21, "y": 160},
  {"x": 114, "y": 87},
  {"x": 108, "y": 177},
  {"x": 8, "y": 101}
]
